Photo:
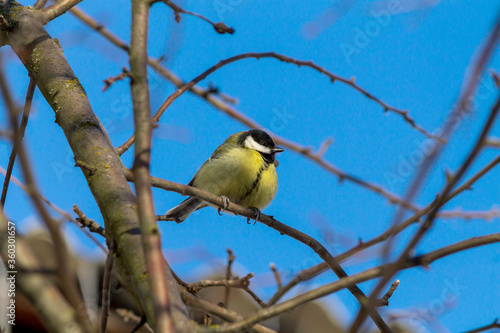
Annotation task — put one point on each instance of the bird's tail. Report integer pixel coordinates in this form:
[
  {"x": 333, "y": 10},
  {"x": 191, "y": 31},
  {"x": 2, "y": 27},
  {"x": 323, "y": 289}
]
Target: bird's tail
[{"x": 181, "y": 212}]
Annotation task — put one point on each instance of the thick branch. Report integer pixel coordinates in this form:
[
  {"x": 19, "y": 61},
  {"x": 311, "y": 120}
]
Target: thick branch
[
  {"x": 162, "y": 321},
  {"x": 87, "y": 139}
]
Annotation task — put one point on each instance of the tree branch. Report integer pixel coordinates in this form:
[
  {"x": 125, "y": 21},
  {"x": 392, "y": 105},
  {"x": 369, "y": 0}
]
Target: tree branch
[
  {"x": 22, "y": 129},
  {"x": 88, "y": 141},
  {"x": 315, "y": 270},
  {"x": 440, "y": 201},
  {"x": 369, "y": 274},
  {"x": 220, "y": 103},
  {"x": 162, "y": 320},
  {"x": 106, "y": 287},
  {"x": 65, "y": 271},
  {"x": 272, "y": 223},
  {"x": 220, "y": 27},
  {"x": 495, "y": 324},
  {"x": 57, "y": 9},
  {"x": 331, "y": 76},
  {"x": 219, "y": 311},
  {"x": 50, "y": 305}
]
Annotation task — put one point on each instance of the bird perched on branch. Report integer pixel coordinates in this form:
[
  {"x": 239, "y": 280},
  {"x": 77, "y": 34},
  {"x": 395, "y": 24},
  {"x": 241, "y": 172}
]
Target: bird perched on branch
[{"x": 241, "y": 170}]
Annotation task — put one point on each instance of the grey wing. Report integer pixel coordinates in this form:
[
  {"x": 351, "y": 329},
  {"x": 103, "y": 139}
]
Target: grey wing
[{"x": 181, "y": 212}]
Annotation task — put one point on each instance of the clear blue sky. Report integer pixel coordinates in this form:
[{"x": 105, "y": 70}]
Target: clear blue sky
[{"x": 413, "y": 60}]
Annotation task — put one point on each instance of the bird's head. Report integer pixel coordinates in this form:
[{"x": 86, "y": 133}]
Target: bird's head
[{"x": 261, "y": 142}]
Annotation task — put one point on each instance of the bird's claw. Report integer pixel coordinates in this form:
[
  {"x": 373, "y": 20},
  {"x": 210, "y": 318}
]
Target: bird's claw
[
  {"x": 225, "y": 204},
  {"x": 256, "y": 216}
]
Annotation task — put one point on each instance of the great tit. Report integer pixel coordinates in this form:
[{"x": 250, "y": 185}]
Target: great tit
[{"x": 241, "y": 170}]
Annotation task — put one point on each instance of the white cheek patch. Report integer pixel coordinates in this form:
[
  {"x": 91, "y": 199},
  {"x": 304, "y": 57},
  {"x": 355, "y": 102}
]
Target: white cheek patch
[{"x": 252, "y": 144}]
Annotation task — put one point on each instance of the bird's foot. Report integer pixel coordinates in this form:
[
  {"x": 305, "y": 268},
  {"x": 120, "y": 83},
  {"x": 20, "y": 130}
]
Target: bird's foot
[
  {"x": 256, "y": 216},
  {"x": 225, "y": 204}
]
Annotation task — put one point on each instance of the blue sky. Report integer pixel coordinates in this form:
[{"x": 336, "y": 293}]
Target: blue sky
[{"x": 414, "y": 60}]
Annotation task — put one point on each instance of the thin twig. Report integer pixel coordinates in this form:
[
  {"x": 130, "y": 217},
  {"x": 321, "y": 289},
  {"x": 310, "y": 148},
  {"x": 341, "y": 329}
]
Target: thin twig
[
  {"x": 207, "y": 94},
  {"x": 230, "y": 259},
  {"x": 39, "y": 4},
  {"x": 220, "y": 101},
  {"x": 58, "y": 210},
  {"x": 492, "y": 142},
  {"x": 22, "y": 129},
  {"x": 220, "y": 27},
  {"x": 384, "y": 301},
  {"x": 343, "y": 283},
  {"x": 106, "y": 286},
  {"x": 92, "y": 225},
  {"x": 427, "y": 224},
  {"x": 109, "y": 81},
  {"x": 162, "y": 321},
  {"x": 240, "y": 283},
  {"x": 460, "y": 109},
  {"x": 221, "y": 312},
  {"x": 233, "y": 283},
  {"x": 57, "y": 9}
]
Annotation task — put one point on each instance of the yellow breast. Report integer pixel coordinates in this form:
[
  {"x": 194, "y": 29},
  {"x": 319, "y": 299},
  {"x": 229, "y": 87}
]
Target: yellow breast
[{"x": 241, "y": 175}]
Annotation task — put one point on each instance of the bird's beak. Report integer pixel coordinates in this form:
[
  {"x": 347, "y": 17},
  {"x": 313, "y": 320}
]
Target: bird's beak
[{"x": 278, "y": 150}]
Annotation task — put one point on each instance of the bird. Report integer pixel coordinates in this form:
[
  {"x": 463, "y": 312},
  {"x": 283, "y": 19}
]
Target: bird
[{"x": 242, "y": 170}]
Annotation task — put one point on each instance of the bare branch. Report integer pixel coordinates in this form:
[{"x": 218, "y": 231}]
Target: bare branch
[
  {"x": 369, "y": 274},
  {"x": 220, "y": 27},
  {"x": 443, "y": 196},
  {"x": 90, "y": 144},
  {"x": 241, "y": 283},
  {"x": 58, "y": 210},
  {"x": 109, "y": 81},
  {"x": 106, "y": 287},
  {"x": 57, "y": 9},
  {"x": 86, "y": 222},
  {"x": 219, "y": 311},
  {"x": 315, "y": 270},
  {"x": 162, "y": 320},
  {"x": 495, "y": 324},
  {"x": 130, "y": 317},
  {"x": 493, "y": 142},
  {"x": 491, "y": 214},
  {"x": 222, "y": 63},
  {"x": 46, "y": 298},
  {"x": 276, "y": 275},
  {"x": 65, "y": 271},
  {"x": 220, "y": 103},
  {"x": 22, "y": 129},
  {"x": 272, "y": 223},
  {"x": 208, "y": 94},
  {"x": 39, "y": 4},
  {"x": 233, "y": 283},
  {"x": 384, "y": 301}
]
